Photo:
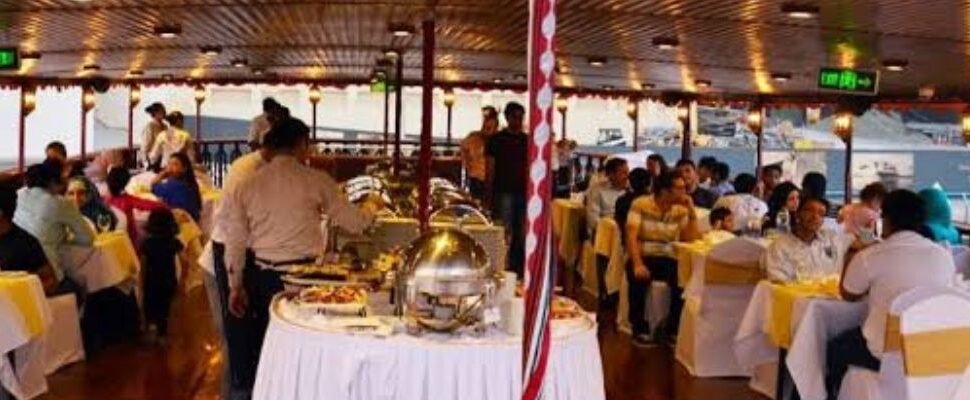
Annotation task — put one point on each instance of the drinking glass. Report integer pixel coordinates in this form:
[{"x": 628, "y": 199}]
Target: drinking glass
[{"x": 103, "y": 222}]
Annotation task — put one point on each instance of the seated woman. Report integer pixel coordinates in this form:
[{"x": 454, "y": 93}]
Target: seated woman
[
  {"x": 125, "y": 203},
  {"x": 177, "y": 187},
  {"x": 87, "y": 199},
  {"x": 939, "y": 217},
  {"x": 785, "y": 196}
]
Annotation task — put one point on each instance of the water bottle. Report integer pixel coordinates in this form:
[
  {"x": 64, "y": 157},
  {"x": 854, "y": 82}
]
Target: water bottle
[{"x": 783, "y": 221}]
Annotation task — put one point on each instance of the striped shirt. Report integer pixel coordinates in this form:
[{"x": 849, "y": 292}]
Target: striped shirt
[{"x": 656, "y": 230}]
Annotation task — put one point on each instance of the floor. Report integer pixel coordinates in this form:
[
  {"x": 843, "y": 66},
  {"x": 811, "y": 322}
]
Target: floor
[{"x": 188, "y": 367}]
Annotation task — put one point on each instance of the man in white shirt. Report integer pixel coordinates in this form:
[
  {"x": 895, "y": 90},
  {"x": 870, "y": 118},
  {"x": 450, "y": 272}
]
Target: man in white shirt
[
  {"x": 277, "y": 213},
  {"x": 878, "y": 274},
  {"x": 748, "y": 209},
  {"x": 154, "y": 127},
  {"x": 263, "y": 122},
  {"x": 808, "y": 251},
  {"x": 602, "y": 199}
]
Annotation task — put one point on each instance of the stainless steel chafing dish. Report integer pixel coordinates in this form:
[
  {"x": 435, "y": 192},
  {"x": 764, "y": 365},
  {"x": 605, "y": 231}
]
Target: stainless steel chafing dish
[{"x": 446, "y": 281}]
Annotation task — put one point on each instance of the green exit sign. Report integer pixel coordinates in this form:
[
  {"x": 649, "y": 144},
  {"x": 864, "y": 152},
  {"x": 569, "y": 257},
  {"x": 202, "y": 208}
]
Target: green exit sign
[
  {"x": 9, "y": 58},
  {"x": 848, "y": 80}
]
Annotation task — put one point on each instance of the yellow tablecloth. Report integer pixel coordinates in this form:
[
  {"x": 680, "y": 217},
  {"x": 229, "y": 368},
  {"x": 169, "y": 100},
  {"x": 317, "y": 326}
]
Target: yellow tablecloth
[
  {"x": 783, "y": 298},
  {"x": 567, "y": 221},
  {"x": 119, "y": 247},
  {"x": 685, "y": 263},
  {"x": 27, "y": 296}
]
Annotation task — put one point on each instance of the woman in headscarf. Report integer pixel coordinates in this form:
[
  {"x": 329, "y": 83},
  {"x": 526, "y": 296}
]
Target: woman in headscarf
[
  {"x": 85, "y": 195},
  {"x": 939, "y": 216}
]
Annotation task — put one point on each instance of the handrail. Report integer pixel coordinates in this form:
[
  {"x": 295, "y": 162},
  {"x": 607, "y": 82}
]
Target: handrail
[{"x": 336, "y": 141}]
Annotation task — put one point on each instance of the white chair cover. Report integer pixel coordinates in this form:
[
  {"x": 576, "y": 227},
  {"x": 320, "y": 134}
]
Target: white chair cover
[{"x": 63, "y": 341}]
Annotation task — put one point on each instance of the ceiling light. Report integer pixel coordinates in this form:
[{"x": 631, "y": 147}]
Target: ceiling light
[
  {"x": 92, "y": 67},
  {"x": 702, "y": 83},
  {"x": 211, "y": 50},
  {"x": 666, "y": 42},
  {"x": 520, "y": 77},
  {"x": 597, "y": 61},
  {"x": 781, "y": 77},
  {"x": 895, "y": 64},
  {"x": 607, "y": 87},
  {"x": 168, "y": 77},
  {"x": 391, "y": 53},
  {"x": 168, "y": 31},
  {"x": 30, "y": 55},
  {"x": 258, "y": 71},
  {"x": 497, "y": 81},
  {"x": 239, "y": 62},
  {"x": 401, "y": 29},
  {"x": 800, "y": 10}
]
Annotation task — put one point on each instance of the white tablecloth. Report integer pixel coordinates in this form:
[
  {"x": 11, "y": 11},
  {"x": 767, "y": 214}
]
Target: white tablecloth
[
  {"x": 814, "y": 322},
  {"x": 27, "y": 380},
  {"x": 112, "y": 261},
  {"x": 303, "y": 364}
]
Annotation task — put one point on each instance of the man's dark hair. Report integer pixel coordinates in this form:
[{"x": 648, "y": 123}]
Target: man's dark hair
[
  {"x": 721, "y": 171},
  {"x": 813, "y": 184},
  {"x": 511, "y": 108},
  {"x": 904, "y": 210},
  {"x": 718, "y": 215},
  {"x": 155, "y": 107},
  {"x": 613, "y": 165},
  {"x": 270, "y": 105},
  {"x": 117, "y": 179},
  {"x": 745, "y": 183},
  {"x": 707, "y": 162},
  {"x": 665, "y": 181},
  {"x": 8, "y": 202},
  {"x": 639, "y": 180},
  {"x": 287, "y": 134},
  {"x": 809, "y": 199},
  {"x": 772, "y": 167},
  {"x": 57, "y": 147},
  {"x": 43, "y": 175},
  {"x": 685, "y": 162},
  {"x": 873, "y": 191},
  {"x": 489, "y": 112}
]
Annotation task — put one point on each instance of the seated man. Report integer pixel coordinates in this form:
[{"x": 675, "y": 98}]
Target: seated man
[
  {"x": 808, "y": 251},
  {"x": 18, "y": 250},
  {"x": 653, "y": 225},
  {"x": 722, "y": 226},
  {"x": 879, "y": 273},
  {"x": 747, "y": 208},
  {"x": 603, "y": 198},
  {"x": 702, "y": 197}
]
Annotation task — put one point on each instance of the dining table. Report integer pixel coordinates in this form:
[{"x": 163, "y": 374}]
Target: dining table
[{"x": 25, "y": 318}]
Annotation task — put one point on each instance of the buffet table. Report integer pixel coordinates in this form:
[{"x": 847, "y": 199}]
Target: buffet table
[
  {"x": 25, "y": 318},
  {"x": 302, "y": 362}
]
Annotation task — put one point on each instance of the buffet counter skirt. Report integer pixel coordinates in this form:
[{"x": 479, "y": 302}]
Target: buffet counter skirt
[{"x": 301, "y": 362}]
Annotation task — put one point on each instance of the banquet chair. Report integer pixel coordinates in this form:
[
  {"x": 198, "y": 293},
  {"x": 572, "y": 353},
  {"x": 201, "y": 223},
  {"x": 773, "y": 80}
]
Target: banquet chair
[
  {"x": 713, "y": 311},
  {"x": 63, "y": 344},
  {"x": 922, "y": 323},
  {"x": 961, "y": 258}
]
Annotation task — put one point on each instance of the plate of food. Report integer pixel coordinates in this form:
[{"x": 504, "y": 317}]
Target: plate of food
[
  {"x": 332, "y": 298},
  {"x": 313, "y": 274},
  {"x": 565, "y": 309}
]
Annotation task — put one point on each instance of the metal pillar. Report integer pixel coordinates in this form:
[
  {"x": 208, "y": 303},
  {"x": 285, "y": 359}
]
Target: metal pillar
[
  {"x": 399, "y": 86},
  {"x": 427, "y": 96}
]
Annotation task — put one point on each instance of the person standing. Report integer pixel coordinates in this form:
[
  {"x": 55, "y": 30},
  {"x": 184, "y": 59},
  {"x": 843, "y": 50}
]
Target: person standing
[
  {"x": 263, "y": 122},
  {"x": 173, "y": 140},
  {"x": 473, "y": 152},
  {"x": 602, "y": 200},
  {"x": 56, "y": 151},
  {"x": 280, "y": 225},
  {"x": 151, "y": 131},
  {"x": 653, "y": 224},
  {"x": 702, "y": 197},
  {"x": 506, "y": 170}
]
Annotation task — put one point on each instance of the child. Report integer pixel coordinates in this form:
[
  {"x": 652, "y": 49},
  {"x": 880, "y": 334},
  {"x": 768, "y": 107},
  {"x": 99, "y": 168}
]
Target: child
[
  {"x": 160, "y": 248},
  {"x": 722, "y": 225}
]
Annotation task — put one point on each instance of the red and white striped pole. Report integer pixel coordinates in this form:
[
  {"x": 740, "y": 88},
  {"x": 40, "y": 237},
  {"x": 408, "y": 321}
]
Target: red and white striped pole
[{"x": 539, "y": 280}]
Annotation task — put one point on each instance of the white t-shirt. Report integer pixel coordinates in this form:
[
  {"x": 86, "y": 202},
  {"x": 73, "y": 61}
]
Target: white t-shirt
[
  {"x": 744, "y": 207},
  {"x": 886, "y": 270},
  {"x": 788, "y": 256}
]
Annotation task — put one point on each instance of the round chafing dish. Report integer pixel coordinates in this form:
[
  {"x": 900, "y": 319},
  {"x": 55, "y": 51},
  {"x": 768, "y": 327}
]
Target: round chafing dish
[{"x": 447, "y": 280}]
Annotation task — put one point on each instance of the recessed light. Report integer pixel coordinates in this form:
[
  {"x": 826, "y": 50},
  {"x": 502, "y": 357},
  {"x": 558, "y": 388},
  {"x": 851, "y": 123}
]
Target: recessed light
[
  {"x": 30, "y": 55},
  {"x": 666, "y": 42},
  {"x": 91, "y": 67},
  {"x": 894, "y": 64},
  {"x": 168, "y": 31},
  {"x": 211, "y": 50},
  {"x": 780, "y": 77},
  {"x": 800, "y": 10},
  {"x": 239, "y": 62},
  {"x": 520, "y": 77},
  {"x": 258, "y": 71},
  {"x": 647, "y": 86},
  {"x": 597, "y": 61},
  {"x": 401, "y": 29},
  {"x": 702, "y": 83},
  {"x": 136, "y": 72},
  {"x": 168, "y": 77},
  {"x": 497, "y": 81},
  {"x": 607, "y": 87}
]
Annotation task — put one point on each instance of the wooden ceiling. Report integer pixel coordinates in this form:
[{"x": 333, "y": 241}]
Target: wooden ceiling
[{"x": 736, "y": 44}]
